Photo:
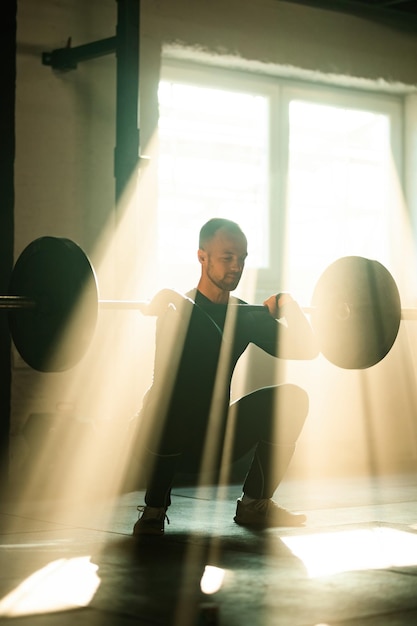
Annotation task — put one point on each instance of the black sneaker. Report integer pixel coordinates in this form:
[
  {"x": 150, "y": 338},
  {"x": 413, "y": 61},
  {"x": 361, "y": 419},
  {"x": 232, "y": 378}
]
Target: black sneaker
[
  {"x": 151, "y": 521},
  {"x": 266, "y": 513}
]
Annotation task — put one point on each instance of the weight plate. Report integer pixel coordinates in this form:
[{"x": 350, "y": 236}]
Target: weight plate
[
  {"x": 356, "y": 312},
  {"x": 58, "y": 276}
]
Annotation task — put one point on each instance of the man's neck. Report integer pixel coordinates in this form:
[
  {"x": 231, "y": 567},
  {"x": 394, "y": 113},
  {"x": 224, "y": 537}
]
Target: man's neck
[{"x": 213, "y": 293}]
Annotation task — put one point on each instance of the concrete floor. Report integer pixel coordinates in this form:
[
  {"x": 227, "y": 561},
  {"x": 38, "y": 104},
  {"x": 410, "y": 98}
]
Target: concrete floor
[{"x": 353, "y": 563}]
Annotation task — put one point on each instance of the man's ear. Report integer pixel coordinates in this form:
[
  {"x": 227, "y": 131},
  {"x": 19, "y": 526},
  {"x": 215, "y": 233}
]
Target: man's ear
[{"x": 201, "y": 255}]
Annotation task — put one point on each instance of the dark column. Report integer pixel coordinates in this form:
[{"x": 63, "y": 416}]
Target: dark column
[
  {"x": 127, "y": 93},
  {"x": 7, "y": 153}
]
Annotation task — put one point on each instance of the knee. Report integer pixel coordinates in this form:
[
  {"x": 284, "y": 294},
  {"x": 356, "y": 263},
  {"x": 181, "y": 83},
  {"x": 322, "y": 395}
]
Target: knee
[{"x": 297, "y": 402}]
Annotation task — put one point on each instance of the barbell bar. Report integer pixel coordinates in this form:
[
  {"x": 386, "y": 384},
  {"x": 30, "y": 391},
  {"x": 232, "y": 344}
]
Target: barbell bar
[
  {"x": 16, "y": 302},
  {"x": 22, "y": 302},
  {"x": 144, "y": 306},
  {"x": 53, "y": 305}
]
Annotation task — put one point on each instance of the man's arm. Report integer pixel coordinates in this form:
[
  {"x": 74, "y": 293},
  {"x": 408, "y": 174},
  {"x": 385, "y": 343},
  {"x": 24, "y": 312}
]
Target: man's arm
[{"x": 286, "y": 331}]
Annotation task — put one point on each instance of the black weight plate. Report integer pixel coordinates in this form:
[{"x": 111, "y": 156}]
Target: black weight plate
[
  {"x": 58, "y": 276},
  {"x": 356, "y": 312}
]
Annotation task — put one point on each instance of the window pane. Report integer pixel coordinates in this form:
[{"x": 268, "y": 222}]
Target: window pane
[
  {"x": 213, "y": 163},
  {"x": 339, "y": 188}
]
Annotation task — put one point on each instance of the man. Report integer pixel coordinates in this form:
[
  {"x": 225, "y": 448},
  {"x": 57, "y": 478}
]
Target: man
[{"x": 191, "y": 424}]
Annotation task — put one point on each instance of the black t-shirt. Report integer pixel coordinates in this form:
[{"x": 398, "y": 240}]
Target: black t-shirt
[{"x": 213, "y": 337}]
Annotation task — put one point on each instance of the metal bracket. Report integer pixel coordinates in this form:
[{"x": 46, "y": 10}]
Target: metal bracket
[
  {"x": 125, "y": 44},
  {"x": 67, "y": 58}
]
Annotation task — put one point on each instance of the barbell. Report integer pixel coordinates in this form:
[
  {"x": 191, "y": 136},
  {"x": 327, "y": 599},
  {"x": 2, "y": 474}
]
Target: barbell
[{"x": 53, "y": 306}]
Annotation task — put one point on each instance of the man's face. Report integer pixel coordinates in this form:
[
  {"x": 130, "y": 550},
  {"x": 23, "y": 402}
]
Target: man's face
[{"x": 223, "y": 259}]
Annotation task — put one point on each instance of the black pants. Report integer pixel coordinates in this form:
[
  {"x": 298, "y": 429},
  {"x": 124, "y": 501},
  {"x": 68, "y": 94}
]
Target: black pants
[{"x": 268, "y": 420}]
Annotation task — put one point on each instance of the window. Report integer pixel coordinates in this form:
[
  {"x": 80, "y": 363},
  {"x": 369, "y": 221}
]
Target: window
[
  {"x": 340, "y": 186},
  {"x": 214, "y": 133},
  {"x": 308, "y": 172},
  {"x": 213, "y": 161}
]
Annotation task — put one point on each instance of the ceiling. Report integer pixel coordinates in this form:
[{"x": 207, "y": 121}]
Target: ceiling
[{"x": 395, "y": 13}]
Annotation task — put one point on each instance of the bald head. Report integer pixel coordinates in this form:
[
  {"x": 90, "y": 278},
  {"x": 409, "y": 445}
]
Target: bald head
[{"x": 211, "y": 227}]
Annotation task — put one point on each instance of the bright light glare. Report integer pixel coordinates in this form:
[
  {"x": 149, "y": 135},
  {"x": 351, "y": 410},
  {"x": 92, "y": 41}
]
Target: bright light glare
[
  {"x": 329, "y": 553},
  {"x": 212, "y": 579},
  {"x": 59, "y": 586}
]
